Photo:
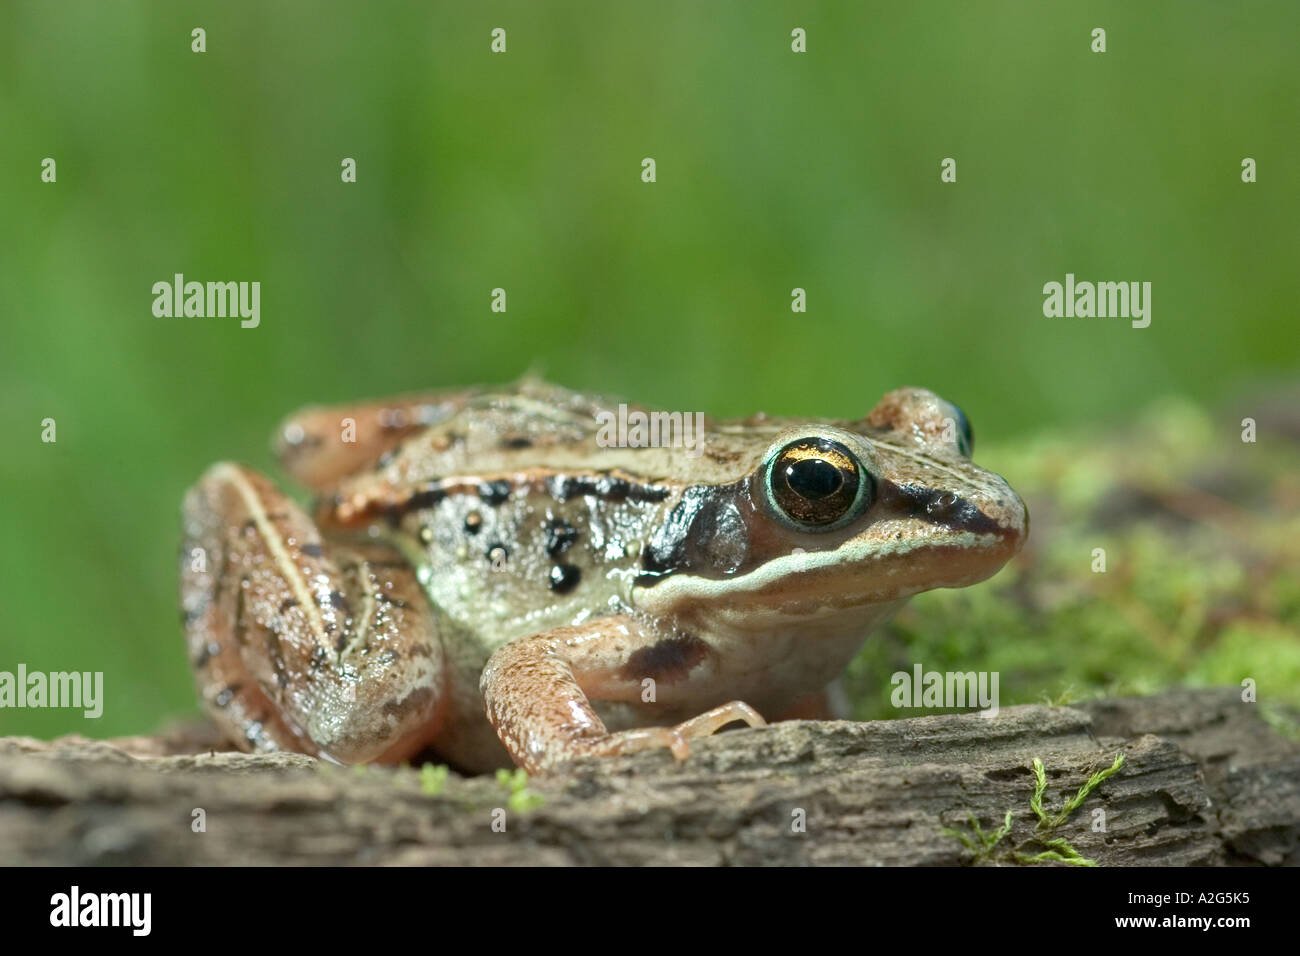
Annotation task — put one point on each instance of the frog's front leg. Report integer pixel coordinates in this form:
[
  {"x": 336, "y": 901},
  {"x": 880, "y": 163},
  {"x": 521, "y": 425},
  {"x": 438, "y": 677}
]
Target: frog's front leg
[
  {"x": 536, "y": 693},
  {"x": 297, "y": 643}
]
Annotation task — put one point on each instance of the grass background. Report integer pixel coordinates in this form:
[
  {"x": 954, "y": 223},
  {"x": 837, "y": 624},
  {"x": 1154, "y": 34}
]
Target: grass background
[{"x": 522, "y": 171}]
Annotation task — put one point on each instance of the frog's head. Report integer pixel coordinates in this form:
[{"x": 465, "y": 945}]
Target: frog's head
[{"x": 818, "y": 517}]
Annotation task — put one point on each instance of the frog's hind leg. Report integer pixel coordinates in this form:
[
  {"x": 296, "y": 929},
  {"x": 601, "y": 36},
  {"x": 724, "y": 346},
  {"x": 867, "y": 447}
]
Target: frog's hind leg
[
  {"x": 321, "y": 444},
  {"x": 300, "y": 644}
]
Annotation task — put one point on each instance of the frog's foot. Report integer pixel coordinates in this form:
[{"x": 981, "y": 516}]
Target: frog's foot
[
  {"x": 677, "y": 739},
  {"x": 533, "y": 690},
  {"x": 300, "y": 644}
]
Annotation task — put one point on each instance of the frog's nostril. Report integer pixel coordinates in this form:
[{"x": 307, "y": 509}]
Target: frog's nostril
[{"x": 942, "y": 506}]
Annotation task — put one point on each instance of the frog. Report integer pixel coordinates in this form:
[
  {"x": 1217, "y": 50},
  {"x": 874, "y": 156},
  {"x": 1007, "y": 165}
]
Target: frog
[{"x": 492, "y": 576}]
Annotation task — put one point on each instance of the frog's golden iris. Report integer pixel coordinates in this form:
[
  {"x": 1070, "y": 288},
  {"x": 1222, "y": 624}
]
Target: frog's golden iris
[{"x": 817, "y": 484}]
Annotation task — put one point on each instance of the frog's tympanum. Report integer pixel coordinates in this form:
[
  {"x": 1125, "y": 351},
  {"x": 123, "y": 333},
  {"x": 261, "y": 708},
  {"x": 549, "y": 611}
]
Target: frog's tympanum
[{"x": 484, "y": 577}]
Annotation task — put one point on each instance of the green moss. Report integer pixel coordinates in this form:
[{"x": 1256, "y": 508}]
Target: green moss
[
  {"x": 515, "y": 783},
  {"x": 984, "y": 846},
  {"x": 981, "y": 844},
  {"x": 1062, "y": 698},
  {"x": 433, "y": 778},
  {"x": 1051, "y": 822},
  {"x": 1262, "y": 650}
]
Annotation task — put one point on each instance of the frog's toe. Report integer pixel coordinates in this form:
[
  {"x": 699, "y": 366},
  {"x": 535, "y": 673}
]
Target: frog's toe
[
  {"x": 711, "y": 721},
  {"x": 677, "y": 739},
  {"x": 626, "y": 742}
]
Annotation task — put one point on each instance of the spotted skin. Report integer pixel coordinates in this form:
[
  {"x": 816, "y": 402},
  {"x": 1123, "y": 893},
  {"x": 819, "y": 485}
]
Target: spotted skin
[{"x": 482, "y": 575}]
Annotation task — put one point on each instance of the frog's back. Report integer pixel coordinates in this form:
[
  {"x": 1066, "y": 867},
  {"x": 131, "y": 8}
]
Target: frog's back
[{"x": 519, "y": 507}]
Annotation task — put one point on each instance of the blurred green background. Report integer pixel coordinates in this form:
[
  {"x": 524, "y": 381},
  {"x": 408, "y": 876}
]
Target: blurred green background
[{"x": 522, "y": 170}]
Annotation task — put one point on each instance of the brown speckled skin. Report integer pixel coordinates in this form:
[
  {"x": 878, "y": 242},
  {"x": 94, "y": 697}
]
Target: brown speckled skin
[{"x": 480, "y": 576}]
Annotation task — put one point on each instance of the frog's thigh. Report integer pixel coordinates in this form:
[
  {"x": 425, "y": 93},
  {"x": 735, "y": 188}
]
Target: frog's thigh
[
  {"x": 322, "y": 444},
  {"x": 533, "y": 689},
  {"x": 298, "y": 644}
]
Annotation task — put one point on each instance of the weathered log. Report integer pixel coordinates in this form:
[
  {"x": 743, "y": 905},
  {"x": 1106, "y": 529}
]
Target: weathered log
[{"x": 1204, "y": 781}]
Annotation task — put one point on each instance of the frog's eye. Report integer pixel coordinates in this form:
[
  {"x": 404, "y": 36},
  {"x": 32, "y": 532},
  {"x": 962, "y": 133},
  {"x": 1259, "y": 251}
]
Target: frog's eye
[
  {"x": 816, "y": 484},
  {"x": 965, "y": 436}
]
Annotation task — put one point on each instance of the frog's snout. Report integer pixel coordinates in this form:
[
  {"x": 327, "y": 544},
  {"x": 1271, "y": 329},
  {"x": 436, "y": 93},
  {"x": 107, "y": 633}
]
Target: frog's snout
[
  {"x": 963, "y": 537},
  {"x": 993, "y": 510},
  {"x": 996, "y": 516},
  {"x": 1004, "y": 513}
]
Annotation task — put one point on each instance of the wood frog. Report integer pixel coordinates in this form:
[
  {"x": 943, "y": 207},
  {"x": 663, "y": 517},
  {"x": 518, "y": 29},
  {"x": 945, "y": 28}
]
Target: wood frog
[{"x": 484, "y": 574}]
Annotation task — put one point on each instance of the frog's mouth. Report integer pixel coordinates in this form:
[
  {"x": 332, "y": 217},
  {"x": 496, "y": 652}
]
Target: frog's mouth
[{"x": 914, "y": 539}]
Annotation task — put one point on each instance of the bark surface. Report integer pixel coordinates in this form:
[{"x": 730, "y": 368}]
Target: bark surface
[{"x": 1205, "y": 781}]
